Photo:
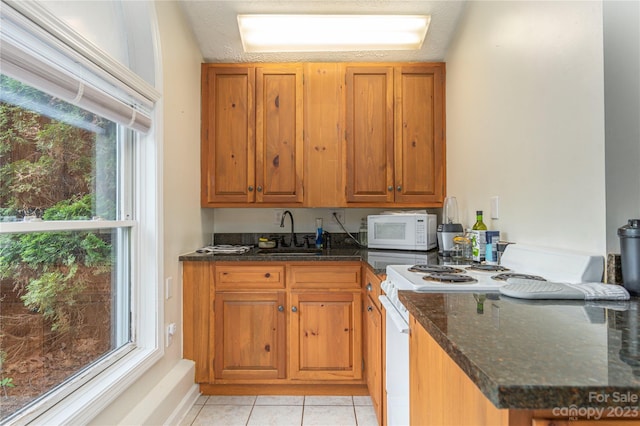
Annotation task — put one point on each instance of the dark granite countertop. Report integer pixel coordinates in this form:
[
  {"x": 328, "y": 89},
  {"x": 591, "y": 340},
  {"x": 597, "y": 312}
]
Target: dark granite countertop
[
  {"x": 377, "y": 259},
  {"x": 538, "y": 354},
  {"x": 279, "y": 255},
  {"x": 342, "y": 249}
]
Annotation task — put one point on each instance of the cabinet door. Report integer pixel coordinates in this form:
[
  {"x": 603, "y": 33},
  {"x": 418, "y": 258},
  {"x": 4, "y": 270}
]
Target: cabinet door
[
  {"x": 279, "y": 128},
  {"x": 228, "y": 135},
  {"x": 373, "y": 354},
  {"x": 250, "y": 335},
  {"x": 325, "y": 336},
  {"x": 369, "y": 135},
  {"x": 419, "y": 134}
]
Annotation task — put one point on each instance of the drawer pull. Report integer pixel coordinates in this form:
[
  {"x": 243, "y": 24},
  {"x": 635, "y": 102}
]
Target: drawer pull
[
  {"x": 294, "y": 309},
  {"x": 267, "y": 275},
  {"x": 280, "y": 308}
]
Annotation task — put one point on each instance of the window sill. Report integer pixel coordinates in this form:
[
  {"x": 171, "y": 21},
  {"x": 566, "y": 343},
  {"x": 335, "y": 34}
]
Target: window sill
[{"x": 87, "y": 400}]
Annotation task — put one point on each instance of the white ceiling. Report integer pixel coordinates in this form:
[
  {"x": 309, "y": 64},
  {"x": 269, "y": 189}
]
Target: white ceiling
[{"x": 215, "y": 27}]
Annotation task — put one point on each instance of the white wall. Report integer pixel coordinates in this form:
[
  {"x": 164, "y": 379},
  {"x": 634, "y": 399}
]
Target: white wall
[
  {"x": 262, "y": 219},
  {"x": 159, "y": 392},
  {"x": 622, "y": 114},
  {"x": 525, "y": 120}
]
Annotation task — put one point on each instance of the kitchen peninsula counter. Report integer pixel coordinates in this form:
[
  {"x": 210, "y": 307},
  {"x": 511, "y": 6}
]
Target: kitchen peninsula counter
[{"x": 538, "y": 354}]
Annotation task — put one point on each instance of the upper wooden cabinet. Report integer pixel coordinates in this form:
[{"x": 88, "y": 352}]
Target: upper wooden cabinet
[
  {"x": 323, "y": 135},
  {"x": 395, "y": 139},
  {"x": 251, "y": 135},
  {"x": 419, "y": 162}
]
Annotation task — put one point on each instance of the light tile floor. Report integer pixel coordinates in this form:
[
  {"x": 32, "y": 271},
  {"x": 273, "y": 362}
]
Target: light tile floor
[{"x": 266, "y": 410}]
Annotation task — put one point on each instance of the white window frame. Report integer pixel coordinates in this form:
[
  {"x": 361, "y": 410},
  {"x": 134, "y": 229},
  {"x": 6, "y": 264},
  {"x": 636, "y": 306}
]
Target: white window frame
[{"x": 90, "y": 392}]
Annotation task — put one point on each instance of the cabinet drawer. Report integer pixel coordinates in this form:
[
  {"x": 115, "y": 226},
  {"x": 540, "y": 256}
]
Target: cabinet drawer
[
  {"x": 249, "y": 277},
  {"x": 325, "y": 277},
  {"x": 372, "y": 286}
]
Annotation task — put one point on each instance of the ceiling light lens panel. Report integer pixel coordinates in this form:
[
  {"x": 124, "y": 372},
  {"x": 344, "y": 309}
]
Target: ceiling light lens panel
[{"x": 300, "y": 33}]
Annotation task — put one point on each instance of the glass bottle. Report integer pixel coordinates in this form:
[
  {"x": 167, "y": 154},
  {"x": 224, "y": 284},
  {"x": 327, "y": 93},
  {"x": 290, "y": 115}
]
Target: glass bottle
[
  {"x": 363, "y": 233},
  {"x": 479, "y": 225}
]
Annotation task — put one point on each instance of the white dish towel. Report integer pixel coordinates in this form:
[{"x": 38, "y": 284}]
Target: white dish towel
[{"x": 600, "y": 291}]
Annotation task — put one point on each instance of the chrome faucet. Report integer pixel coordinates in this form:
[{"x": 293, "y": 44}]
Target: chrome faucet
[{"x": 293, "y": 242}]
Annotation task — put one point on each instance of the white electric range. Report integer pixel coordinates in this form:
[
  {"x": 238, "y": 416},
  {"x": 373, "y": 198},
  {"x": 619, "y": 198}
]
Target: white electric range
[{"x": 518, "y": 260}]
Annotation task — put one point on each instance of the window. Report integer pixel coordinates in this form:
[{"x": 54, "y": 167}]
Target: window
[
  {"x": 78, "y": 235},
  {"x": 64, "y": 293}
]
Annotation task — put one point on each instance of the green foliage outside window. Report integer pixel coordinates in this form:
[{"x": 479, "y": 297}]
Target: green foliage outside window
[{"x": 49, "y": 151}]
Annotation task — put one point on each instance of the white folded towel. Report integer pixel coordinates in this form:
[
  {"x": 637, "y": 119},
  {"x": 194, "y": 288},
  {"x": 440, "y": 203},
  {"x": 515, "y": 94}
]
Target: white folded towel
[
  {"x": 524, "y": 288},
  {"x": 601, "y": 291}
]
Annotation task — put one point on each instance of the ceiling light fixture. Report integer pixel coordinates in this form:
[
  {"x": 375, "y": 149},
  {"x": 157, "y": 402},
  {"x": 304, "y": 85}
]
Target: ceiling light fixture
[{"x": 322, "y": 33}]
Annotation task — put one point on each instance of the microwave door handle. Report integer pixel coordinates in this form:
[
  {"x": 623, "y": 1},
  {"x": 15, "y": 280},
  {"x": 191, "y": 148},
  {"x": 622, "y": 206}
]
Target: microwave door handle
[{"x": 399, "y": 322}]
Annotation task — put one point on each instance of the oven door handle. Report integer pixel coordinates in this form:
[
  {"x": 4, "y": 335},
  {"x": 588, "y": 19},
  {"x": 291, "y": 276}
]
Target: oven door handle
[{"x": 399, "y": 322}]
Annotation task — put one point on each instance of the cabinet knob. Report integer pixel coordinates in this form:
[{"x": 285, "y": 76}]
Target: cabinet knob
[
  {"x": 369, "y": 287},
  {"x": 390, "y": 188},
  {"x": 399, "y": 188},
  {"x": 370, "y": 308},
  {"x": 267, "y": 275},
  {"x": 280, "y": 308},
  {"x": 259, "y": 188},
  {"x": 294, "y": 309},
  {"x": 250, "y": 188}
]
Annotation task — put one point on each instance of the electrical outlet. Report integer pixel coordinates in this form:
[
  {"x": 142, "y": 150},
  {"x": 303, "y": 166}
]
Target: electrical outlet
[
  {"x": 339, "y": 213},
  {"x": 277, "y": 216}
]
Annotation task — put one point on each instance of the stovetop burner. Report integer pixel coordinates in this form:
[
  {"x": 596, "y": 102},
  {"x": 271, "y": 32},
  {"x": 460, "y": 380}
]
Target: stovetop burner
[
  {"x": 487, "y": 268},
  {"x": 428, "y": 269},
  {"x": 449, "y": 278},
  {"x": 506, "y": 276}
]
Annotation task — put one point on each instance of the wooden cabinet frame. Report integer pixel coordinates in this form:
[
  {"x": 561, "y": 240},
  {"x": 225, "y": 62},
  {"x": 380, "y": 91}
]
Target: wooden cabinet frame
[{"x": 273, "y": 323}]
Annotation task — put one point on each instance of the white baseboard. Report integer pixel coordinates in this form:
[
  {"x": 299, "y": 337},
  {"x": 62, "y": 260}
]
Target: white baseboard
[
  {"x": 184, "y": 407},
  {"x": 169, "y": 400}
]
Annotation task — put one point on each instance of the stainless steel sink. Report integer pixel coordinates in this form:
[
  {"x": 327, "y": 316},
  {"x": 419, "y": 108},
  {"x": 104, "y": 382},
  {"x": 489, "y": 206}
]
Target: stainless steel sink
[{"x": 290, "y": 252}]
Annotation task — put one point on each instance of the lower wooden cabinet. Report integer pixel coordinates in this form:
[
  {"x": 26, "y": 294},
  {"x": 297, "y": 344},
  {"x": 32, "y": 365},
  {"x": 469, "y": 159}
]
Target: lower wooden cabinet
[
  {"x": 273, "y": 323},
  {"x": 374, "y": 343}
]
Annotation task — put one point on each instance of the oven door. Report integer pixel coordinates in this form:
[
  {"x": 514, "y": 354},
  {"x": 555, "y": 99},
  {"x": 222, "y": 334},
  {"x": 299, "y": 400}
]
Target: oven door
[{"x": 397, "y": 365}]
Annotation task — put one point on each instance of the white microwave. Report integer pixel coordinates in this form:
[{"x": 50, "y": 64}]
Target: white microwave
[{"x": 402, "y": 231}]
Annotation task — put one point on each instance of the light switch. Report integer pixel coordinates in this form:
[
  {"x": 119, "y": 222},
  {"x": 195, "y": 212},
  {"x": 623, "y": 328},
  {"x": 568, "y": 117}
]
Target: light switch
[{"x": 495, "y": 207}]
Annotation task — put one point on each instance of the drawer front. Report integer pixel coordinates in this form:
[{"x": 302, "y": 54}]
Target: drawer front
[
  {"x": 249, "y": 277},
  {"x": 325, "y": 277},
  {"x": 371, "y": 286}
]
